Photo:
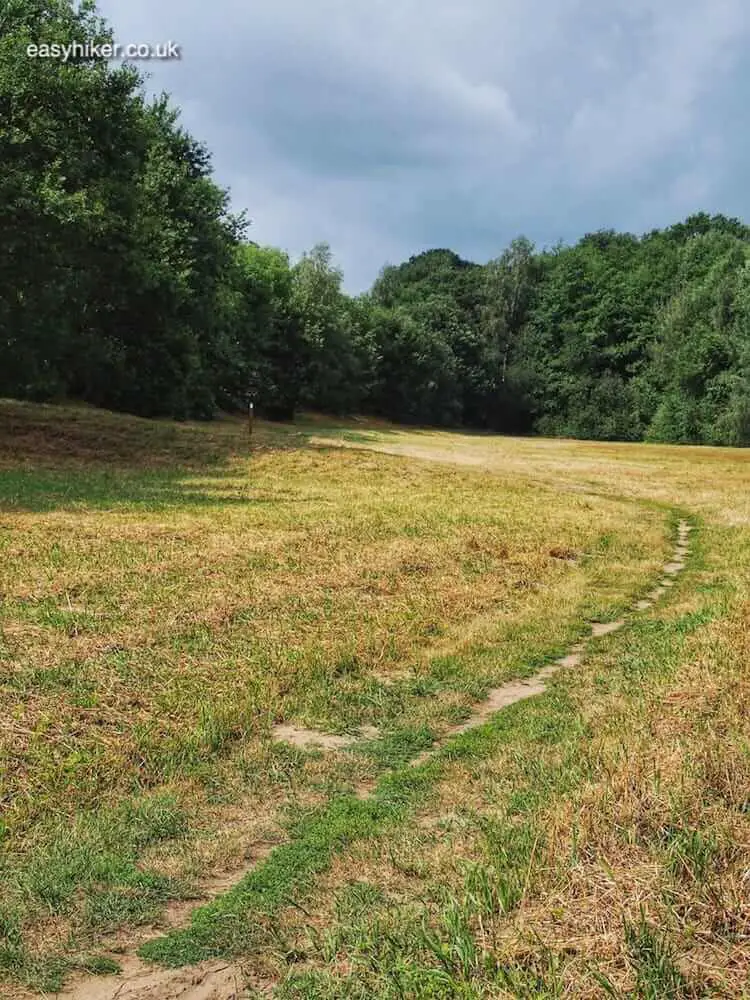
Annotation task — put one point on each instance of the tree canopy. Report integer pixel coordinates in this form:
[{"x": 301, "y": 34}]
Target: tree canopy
[{"x": 126, "y": 281}]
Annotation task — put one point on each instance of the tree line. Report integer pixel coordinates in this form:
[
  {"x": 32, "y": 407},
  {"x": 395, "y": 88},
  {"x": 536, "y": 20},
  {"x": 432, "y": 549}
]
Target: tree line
[{"x": 126, "y": 281}]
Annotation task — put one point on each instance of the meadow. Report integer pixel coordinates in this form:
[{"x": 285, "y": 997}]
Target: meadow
[{"x": 232, "y": 673}]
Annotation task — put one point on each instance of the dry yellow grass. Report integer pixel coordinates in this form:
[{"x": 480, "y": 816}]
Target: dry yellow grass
[
  {"x": 132, "y": 625},
  {"x": 599, "y": 845},
  {"x": 169, "y": 596}
]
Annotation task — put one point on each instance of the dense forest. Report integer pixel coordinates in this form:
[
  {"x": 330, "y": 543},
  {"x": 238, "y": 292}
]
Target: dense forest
[{"x": 127, "y": 282}]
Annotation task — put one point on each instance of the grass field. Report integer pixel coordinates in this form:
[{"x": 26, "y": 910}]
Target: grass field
[{"x": 171, "y": 597}]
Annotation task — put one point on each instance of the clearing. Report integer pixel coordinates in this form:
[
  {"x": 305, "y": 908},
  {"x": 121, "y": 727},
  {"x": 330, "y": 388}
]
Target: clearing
[{"x": 368, "y": 712}]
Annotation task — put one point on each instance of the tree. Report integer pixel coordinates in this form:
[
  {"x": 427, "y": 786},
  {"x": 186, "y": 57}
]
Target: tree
[
  {"x": 507, "y": 294},
  {"x": 701, "y": 351},
  {"x": 333, "y": 365},
  {"x": 116, "y": 243},
  {"x": 66, "y": 135},
  {"x": 269, "y": 336}
]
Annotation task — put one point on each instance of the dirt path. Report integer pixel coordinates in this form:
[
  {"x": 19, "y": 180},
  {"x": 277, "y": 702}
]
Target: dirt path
[
  {"x": 513, "y": 691},
  {"x": 139, "y": 981},
  {"x": 221, "y": 981}
]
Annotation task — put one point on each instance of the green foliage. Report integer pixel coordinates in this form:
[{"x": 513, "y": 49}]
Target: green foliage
[
  {"x": 268, "y": 337},
  {"x": 435, "y": 364},
  {"x": 652, "y": 959},
  {"x": 333, "y": 335},
  {"x": 633, "y": 338},
  {"x": 701, "y": 352}
]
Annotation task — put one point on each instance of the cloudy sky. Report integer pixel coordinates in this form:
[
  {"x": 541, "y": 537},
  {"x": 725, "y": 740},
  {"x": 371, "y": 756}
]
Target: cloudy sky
[{"x": 386, "y": 127}]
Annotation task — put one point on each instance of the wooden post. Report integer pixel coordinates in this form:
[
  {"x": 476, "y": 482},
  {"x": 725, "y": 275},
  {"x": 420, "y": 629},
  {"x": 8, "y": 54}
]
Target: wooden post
[{"x": 250, "y": 419}]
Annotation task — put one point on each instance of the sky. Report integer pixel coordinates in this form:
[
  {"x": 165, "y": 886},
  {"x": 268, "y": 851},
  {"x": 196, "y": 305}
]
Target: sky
[{"x": 388, "y": 127}]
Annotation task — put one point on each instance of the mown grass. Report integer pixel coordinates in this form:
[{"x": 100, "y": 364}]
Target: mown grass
[{"x": 169, "y": 595}]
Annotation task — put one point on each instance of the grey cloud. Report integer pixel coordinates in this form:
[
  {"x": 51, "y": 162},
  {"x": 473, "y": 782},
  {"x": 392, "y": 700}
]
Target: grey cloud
[{"x": 386, "y": 128}]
